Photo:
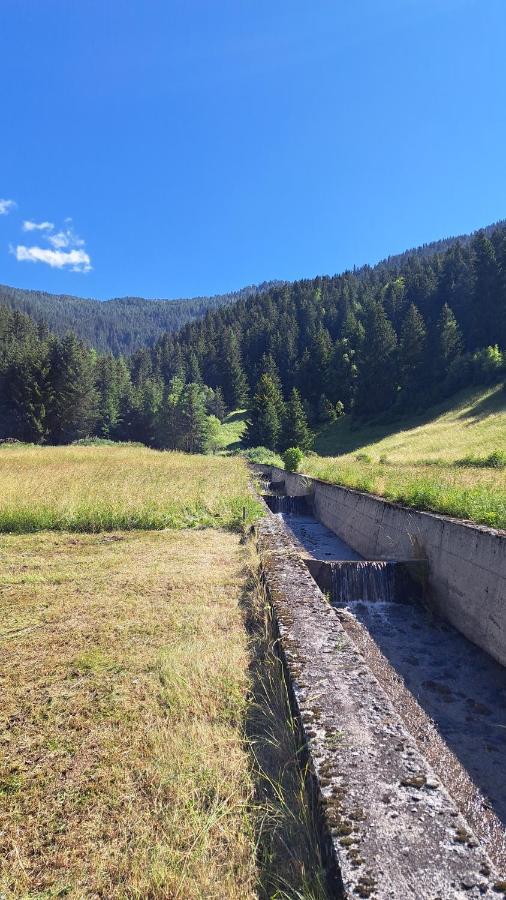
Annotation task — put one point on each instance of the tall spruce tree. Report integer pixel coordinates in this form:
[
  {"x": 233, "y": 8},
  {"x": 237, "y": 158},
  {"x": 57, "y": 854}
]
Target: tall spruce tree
[
  {"x": 485, "y": 294},
  {"x": 296, "y": 432},
  {"x": 24, "y": 395},
  {"x": 376, "y": 379},
  {"x": 235, "y": 384},
  {"x": 449, "y": 340},
  {"x": 412, "y": 355},
  {"x": 194, "y": 419},
  {"x": 264, "y": 425},
  {"x": 72, "y": 403}
]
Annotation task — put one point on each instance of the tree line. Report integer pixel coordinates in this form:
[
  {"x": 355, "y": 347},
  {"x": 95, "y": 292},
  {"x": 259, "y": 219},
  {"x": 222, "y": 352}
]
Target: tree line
[
  {"x": 395, "y": 337},
  {"x": 55, "y": 390},
  {"x": 119, "y": 326}
]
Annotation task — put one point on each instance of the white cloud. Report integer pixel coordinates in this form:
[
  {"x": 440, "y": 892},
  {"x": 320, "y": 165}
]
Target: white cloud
[
  {"x": 76, "y": 260},
  {"x": 6, "y": 206},
  {"x": 65, "y": 248},
  {"x": 66, "y": 238},
  {"x": 37, "y": 226}
]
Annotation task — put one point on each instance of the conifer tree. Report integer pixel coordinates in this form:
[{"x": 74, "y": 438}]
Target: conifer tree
[
  {"x": 412, "y": 353},
  {"x": 486, "y": 282},
  {"x": 377, "y": 362},
  {"x": 264, "y": 426},
  {"x": 194, "y": 419},
  {"x": 72, "y": 400},
  {"x": 296, "y": 432},
  {"x": 450, "y": 342},
  {"x": 235, "y": 384},
  {"x": 24, "y": 395},
  {"x": 216, "y": 404}
]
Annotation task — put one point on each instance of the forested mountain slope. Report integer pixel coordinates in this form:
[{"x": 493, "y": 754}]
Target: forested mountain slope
[
  {"x": 396, "y": 337},
  {"x": 388, "y": 340},
  {"x": 121, "y": 325}
]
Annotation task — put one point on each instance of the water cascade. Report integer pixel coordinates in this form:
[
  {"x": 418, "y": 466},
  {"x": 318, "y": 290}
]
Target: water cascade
[
  {"x": 291, "y": 506},
  {"x": 371, "y": 582}
]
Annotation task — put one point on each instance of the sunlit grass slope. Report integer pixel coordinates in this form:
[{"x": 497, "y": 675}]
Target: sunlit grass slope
[
  {"x": 232, "y": 430},
  {"x": 107, "y": 488},
  {"x": 425, "y": 462},
  {"x": 472, "y": 422},
  {"x": 123, "y": 770}
]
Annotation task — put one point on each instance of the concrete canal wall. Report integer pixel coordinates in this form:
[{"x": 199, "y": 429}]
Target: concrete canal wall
[{"x": 466, "y": 563}]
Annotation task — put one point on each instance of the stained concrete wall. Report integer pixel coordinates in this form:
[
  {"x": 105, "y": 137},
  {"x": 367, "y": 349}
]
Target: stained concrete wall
[
  {"x": 389, "y": 829},
  {"x": 467, "y": 563}
]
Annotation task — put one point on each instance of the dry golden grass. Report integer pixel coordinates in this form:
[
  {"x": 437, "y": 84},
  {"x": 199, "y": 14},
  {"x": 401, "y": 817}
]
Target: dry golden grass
[
  {"x": 123, "y": 770},
  {"x": 115, "y": 488}
]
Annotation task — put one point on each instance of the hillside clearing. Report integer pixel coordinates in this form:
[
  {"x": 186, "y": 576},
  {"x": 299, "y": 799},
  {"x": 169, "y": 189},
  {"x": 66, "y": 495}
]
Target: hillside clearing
[{"x": 95, "y": 489}]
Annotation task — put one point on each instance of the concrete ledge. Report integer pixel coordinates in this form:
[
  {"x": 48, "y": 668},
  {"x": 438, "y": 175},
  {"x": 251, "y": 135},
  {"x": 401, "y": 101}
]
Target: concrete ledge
[
  {"x": 390, "y": 830},
  {"x": 467, "y": 563}
]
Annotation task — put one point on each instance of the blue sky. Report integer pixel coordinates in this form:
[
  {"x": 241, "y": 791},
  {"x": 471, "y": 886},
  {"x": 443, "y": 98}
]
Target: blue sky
[{"x": 172, "y": 148}]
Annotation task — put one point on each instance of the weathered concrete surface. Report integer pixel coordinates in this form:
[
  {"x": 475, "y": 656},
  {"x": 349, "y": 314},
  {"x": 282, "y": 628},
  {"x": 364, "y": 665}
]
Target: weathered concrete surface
[
  {"x": 391, "y": 829},
  {"x": 467, "y": 563}
]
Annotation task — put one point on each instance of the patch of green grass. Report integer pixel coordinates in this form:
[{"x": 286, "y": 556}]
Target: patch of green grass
[
  {"x": 263, "y": 456},
  {"x": 471, "y": 422},
  {"x": 231, "y": 431},
  {"x": 104, "y": 488},
  {"x": 494, "y": 460},
  {"x": 465, "y": 493}
]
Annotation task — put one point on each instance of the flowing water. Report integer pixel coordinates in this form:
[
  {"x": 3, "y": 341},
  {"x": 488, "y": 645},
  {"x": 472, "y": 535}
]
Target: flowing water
[
  {"x": 313, "y": 537},
  {"x": 459, "y": 687},
  {"x": 372, "y": 582}
]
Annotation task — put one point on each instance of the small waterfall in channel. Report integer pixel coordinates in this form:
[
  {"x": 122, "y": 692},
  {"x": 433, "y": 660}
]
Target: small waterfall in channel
[
  {"x": 293, "y": 506},
  {"x": 371, "y": 582}
]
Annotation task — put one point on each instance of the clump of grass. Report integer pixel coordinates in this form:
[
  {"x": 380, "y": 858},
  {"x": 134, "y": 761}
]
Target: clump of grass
[
  {"x": 104, "y": 488},
  {"x": 263, "y": 456},
  {"x": 104, "y": 442},
  {"x": 494, "y": 460}
]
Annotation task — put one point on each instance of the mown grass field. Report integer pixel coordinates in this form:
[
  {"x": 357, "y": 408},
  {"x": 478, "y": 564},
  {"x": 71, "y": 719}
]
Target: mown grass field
[
  {"x": 146, "y": 746},
  {"x": 95, "y": 489},
  {"x": 424, "y": 461},
  {"x": 124, "y": 674}
]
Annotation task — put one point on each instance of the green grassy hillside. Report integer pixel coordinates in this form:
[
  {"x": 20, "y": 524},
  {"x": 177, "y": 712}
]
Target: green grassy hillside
[
  {"x": 471, "y": 422},
  {"x": 450, "y": 460}
]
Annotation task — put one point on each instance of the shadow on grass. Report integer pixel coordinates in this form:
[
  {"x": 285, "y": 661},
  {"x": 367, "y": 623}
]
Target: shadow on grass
[
  {"x": 486, "y": 406},
  {"x": 237, "y": 416},
  {"x": 349, "y": 434}
]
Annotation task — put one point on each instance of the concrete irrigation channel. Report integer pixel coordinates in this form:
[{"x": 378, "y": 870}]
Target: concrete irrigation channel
[{"x": 403, "y": 718}]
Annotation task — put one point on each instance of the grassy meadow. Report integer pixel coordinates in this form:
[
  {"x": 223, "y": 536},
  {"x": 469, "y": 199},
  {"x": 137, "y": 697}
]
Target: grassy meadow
[
  {"x": 104, "y": 488},
  {"x": 146, "y": 745},
  {"x": 451, "y": 460}
]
